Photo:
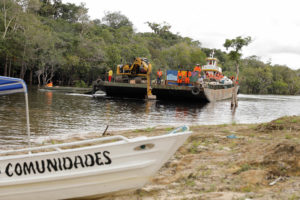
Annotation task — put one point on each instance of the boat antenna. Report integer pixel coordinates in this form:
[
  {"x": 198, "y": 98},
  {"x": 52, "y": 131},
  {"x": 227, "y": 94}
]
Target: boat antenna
[{"x": 212, "y": 54}]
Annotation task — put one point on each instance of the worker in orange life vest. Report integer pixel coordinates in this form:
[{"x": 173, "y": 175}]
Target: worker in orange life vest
[
  {"x": 179, "y": 77},
  {"x": 50, "y": 84},
  {"x": 197, "y": 68},
  {"x": 159, "y": 75},
  {"x": 187, "y": 78},
  {"x": 237, "y": 80}
]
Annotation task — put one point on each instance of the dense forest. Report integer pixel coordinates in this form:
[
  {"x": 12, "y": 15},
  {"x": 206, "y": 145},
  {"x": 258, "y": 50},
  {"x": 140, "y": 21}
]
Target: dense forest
[{"x": 47, "y": 40}]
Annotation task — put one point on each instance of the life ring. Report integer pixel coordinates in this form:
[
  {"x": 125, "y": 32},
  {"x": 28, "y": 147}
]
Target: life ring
[
  {"x": 98, "y": 81},
  {"x": 196, "y": 91}
]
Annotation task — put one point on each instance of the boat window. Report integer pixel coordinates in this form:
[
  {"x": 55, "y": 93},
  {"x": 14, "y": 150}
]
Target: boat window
[{"x": 144, "y": 147}]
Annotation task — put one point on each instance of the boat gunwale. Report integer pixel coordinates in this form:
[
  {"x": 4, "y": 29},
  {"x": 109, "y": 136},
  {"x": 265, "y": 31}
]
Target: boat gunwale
[{"x": 58, "y": 150}]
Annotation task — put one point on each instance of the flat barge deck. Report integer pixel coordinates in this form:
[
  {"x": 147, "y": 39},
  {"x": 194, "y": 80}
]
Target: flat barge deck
[{"x": 204, "y": 93}]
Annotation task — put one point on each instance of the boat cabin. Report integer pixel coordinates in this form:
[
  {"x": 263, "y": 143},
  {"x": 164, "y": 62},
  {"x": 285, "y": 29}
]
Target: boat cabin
[{"x": 211, "y": 67}]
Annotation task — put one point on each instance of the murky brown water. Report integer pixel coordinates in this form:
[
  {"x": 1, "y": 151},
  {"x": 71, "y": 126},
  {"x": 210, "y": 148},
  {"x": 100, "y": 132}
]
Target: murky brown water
[{"x": 60, "y": 114}]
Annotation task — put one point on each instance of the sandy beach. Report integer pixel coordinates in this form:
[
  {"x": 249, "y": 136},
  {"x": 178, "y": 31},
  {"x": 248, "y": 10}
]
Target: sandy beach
[
  {"x": 230, "y": 161},
  {"x": 225, "y": 162}
]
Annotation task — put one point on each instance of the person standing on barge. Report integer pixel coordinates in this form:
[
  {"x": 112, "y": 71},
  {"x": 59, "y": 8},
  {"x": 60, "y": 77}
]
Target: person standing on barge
[
  {"x": 179, "y": 77},
  {"x": 159, "y": 75},
  {"x": 110, "y": 73},
  {"x": 197, "y": 68}
]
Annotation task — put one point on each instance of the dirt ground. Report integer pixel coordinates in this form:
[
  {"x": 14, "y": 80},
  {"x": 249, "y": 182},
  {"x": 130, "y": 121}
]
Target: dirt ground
[
  {"x": 227, "y": 162},
  {"x": 257, "y": 162}
]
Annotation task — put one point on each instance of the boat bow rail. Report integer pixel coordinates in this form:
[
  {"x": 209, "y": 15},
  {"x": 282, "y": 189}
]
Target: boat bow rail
[
  {"x": 57, "y": 147},
  {"x": 85, "y": 143}
]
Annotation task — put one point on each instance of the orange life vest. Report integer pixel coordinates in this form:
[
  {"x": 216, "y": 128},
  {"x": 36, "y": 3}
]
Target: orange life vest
[
  {"x": 187, "y": 79},
  {"x": 197, "y": 69},
  {"x": 179, "y": 77},
  {"x": 50, "y": 84},
  {"x": 159, "y": 73}
]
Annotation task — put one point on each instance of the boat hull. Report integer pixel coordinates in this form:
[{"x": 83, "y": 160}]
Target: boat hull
[
  {"x": 124, "y": 90},
  {"x": 179, "y": 93},
  {"x": 218, "y": 94},
  {"x": 68, "y": 89},
  {"x": 209, "y": 93},
  {"x": 86, "y": 171}
]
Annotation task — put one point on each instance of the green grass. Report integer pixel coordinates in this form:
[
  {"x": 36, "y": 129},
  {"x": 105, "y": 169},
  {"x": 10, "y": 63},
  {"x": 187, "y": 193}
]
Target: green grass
[
  {"x": 169, "y": 129},
  {"x": 294, "y": 120},
  {"x": 190, "y": 183},
  {"x": 294, "y": 197},
  {"x": 252, "y": 135},
  {"x": 244, "y": 167},
  {"x": 206, "y": 173},
  {"x": 149, "y": 129},
  {"x": 246, "y": 189},
  {"x": 222, "y": 125},
  {"x": 194, "y": 147},
  {"x": 279, "y": 121},
  {"x": 226, "y": 131},
  {"x": 288, "y": 137},
  {"x": 212, "y": 188}
]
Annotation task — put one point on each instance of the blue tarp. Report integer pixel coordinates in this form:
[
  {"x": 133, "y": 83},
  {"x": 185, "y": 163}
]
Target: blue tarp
[
  {"x": 10, "y": 85},
  {"x": 172, "y": 75}
]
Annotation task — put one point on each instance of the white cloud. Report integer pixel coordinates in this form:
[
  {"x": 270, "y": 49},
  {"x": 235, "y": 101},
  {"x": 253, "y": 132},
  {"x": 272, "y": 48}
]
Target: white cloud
[{"x": 273, "y": 24}]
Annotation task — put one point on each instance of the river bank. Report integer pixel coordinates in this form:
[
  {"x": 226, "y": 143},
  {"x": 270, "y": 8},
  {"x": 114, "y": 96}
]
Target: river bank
[
  {"x": 224, "y": 162},
  {"x": 229, "y": 161}
]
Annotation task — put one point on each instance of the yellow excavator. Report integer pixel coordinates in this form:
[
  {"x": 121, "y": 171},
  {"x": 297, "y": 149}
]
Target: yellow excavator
[{"x": 141, "y": 67}]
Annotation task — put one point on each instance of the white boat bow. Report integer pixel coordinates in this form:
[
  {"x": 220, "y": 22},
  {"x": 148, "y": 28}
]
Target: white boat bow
[{"x": 84, "y": 168}]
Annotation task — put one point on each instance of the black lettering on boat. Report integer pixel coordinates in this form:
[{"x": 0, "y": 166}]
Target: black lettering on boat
[
  {"x": 18, "y": 169},
  {"x": 41, "y": 171},
  {"x": 98, "y": 158},
  {"x": 7, "y": 169},
  {"x": 27, "y": 168},
  {"x": 78, "y": 160},
  {"x": 107, "y": 157},
  {"x": 67, "y": 160},
  {"x": 87, "y": 158},
  {"x": 59, "y": 164},
  {"x": 51, "y": 164}
]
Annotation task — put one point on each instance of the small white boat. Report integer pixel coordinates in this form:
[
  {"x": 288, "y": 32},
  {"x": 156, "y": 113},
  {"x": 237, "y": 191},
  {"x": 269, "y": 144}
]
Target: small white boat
[{"x": 84, "y": 168}]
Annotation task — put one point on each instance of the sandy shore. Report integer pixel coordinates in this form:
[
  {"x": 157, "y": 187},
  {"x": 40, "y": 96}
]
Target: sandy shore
[{"x": 260, "y": 161}]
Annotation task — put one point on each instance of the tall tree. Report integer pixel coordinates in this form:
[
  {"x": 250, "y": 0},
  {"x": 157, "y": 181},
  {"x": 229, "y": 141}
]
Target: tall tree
[
  {"x": 235, "y": 54},
  {"x": 116, "y": 20}
]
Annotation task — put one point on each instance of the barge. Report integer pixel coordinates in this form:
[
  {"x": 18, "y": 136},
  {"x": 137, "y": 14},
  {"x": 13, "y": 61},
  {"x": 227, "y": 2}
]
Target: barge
[
  {"x": 205, "y": 86},
  {"x": 207, "y": 93}
]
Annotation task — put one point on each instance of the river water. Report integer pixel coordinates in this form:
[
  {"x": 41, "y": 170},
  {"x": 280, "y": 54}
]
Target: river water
[{"x": 57, "y": 114}]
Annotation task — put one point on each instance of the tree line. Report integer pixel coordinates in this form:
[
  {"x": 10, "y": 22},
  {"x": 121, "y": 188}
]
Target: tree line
[{"x": 47, "y": 40}]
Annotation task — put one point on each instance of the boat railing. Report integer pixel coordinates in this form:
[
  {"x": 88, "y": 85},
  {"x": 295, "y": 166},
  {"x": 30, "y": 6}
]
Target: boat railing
[
  {"x": 58, "y": 147},
  {"x": 180, "y": 129}
]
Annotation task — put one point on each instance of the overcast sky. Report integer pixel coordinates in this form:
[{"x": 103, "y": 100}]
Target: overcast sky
[{"x": 274, "y": 25}]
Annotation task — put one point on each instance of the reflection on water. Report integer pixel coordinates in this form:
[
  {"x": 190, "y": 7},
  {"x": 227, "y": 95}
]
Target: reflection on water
[{"x": 57, "y": 114}]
